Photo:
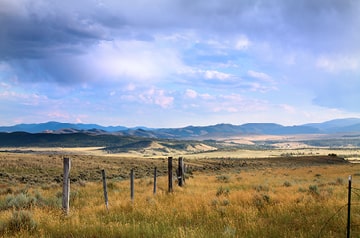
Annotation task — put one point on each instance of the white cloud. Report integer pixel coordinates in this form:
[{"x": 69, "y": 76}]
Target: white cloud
[
  {"x": 23, "y": 98},
  {"x": 235, "y": 103},
  {"x": 261, "y": 82},
  {"x": 242, "y": 43},
  {"x": 163, "y": 100},
  {"x": 338, "y": 63},
  {"x": 5, "y": 85},
  {"x": 288, "y": 108},
  {"x": 58, "y": 115},
  {"x": 206, "y": 96},
  {"x": 191, "y": 93},
  {"x": 134, "y": 60},
  {"x": 259, "y": 75},
  {"x": 150, "y": 96},
  {"x": 4, "y": 66},
  {"x": 204, "y": 74},
  {"x": 223, "y": 108},
  {"x": 214, "y": 74}
]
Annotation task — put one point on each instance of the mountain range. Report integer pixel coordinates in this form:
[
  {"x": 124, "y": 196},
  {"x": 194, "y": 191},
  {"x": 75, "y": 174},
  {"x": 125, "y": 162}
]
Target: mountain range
[{"x": 346, "y": 126}]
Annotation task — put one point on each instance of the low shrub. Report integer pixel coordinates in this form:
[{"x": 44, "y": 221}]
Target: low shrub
[
  {"x": 314, "y": 190},
  {"x": 222, "y": 191},
  {"x": 261, "y": 200},
  {"x": 340, "y": 181},
  {"x": 4, "y": 191},
  {"x": 20, "y": 220},
  {"x": 287, "y": 184},
  {"x": 223, "y": 178},
  {"x": 261, "y": 188},
  {"x": 19, "y": 201},
  {"x": 113, "y": 186},
  {"x": 225, "y": 202},
  {"x": 26, "y": 201}
]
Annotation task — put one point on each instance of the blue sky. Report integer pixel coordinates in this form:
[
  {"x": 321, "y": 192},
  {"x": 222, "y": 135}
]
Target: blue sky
[{"x": 173, "y": 63}]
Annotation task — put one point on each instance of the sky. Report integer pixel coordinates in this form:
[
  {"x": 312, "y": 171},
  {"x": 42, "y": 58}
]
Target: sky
[{"x": 174, "y": 63}]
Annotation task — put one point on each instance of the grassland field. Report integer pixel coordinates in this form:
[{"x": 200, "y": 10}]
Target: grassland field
[{"x": 299, "y": 192}]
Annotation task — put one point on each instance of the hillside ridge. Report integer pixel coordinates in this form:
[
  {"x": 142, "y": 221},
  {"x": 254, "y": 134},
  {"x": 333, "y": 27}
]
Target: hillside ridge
[{"x": 223, "y": 130}]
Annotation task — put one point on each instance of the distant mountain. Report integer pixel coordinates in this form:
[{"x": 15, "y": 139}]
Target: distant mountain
[
  {"x": 276, "y": 129},
  {"x": 345, "y": 125},
  {"x": 58, "y": 126},
  {"x": 349, "y": 125},
  {"x": 226, "y": 130}
]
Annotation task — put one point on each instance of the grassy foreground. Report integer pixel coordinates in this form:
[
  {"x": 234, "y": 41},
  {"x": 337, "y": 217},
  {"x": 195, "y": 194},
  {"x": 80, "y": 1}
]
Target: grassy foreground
[{"x": 269, "y": 202}]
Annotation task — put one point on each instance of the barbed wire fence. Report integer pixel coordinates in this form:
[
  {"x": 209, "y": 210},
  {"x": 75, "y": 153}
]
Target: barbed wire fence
[
  {"x": 349, "y": 225},
  {"x": 180, "y": 173}
]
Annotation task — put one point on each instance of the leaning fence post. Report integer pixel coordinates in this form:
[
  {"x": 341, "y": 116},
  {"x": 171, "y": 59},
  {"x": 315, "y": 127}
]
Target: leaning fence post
[
  {"x": 66, "y": 186},
  {"x": 105, "y": 189},
  {"x": 349, "y": 209},
  {"x": 170, "y": 174},
  {"x": 132, "y": 185},
  {"x": 155, "y": 178}
]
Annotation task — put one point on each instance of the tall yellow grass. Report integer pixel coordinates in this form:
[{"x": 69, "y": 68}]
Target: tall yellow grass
[{"x": 278, "y": 202}]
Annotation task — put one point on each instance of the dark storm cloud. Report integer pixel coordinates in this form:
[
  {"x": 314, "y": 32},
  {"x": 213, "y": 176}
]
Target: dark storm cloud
[
  {"x": 39, "y": 32},
  {"x": 28, "y": 34},
  {"x": 35, "y": 30}
]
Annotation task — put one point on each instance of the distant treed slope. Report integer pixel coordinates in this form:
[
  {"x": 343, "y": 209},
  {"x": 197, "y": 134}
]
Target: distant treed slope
[
  {"x": 110, "y": 143},
  {"x": 344, "y": 142},
  {"x": 61, "y": 140}
]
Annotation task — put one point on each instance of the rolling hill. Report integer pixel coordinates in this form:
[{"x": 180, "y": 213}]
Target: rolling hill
[{"x": 109, "y": 143}]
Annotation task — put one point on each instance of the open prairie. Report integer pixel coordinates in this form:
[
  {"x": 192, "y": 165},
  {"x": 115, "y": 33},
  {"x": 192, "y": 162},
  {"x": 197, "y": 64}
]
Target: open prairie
[{"x": 230, "y": 193}]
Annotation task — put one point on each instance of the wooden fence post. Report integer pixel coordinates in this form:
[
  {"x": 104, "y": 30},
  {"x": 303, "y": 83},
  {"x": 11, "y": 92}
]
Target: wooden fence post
[
  {"x": 170, "y": 174},
  {"x": 155, "y": 178},
  {"x": 184, "y": 171},
  {"x": 105, "y": 189},
  {"x": 180, "y": 172},
  {"x": 132, "y": 185},
  {"x": 66, "y": 186},
  {"x": 349, "y": 209}
]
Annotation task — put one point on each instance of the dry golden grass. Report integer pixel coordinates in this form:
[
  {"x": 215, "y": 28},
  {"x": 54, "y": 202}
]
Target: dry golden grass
[{"x": 266, "y": 202}]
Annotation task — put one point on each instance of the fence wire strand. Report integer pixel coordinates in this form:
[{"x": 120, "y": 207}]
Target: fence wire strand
[
  {"x": 355, "y": 194},
  {"x": 339, "y": 210},
  {"x": 327, "y": 222}
]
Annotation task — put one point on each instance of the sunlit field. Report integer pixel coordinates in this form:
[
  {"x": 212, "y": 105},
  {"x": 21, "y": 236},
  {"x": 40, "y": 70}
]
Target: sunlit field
[
  {"x": 237, "y": 153},
  {"x": 261, "y": 200}
]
